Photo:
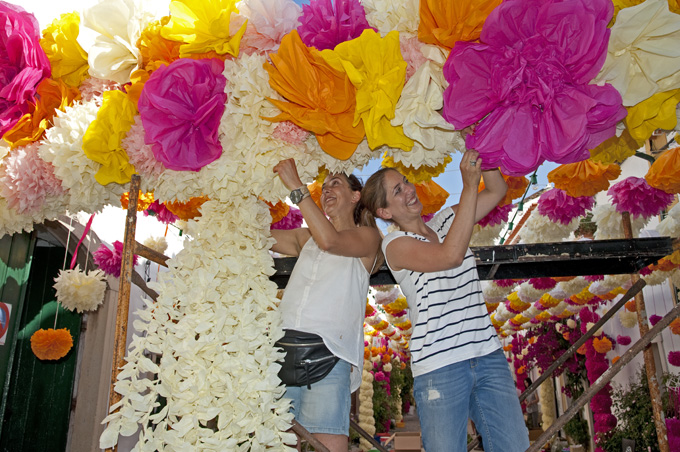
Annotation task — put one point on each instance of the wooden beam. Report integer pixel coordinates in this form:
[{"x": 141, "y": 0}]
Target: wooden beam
[
  {"x": 150, "y": 254},
  {"x": 366, "y": 436}
]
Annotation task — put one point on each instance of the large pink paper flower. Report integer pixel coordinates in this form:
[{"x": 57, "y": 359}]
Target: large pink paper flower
[
  {"x": 23, "y": 63},
  {"x": 527, "y": 84},
  {"x": 162, "y": 213},
  {"x": 635, "y": 196},
  {"x": 326, "y": 23},
  {"x": 109, "y": 261},
  {"x": 557, "y": 205},
  {"x": 181, "y": 106}
]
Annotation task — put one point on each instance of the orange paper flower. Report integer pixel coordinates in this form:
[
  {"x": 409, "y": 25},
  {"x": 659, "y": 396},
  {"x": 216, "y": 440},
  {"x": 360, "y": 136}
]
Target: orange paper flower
[
  {"x": 517, "y": 185},
  {"x": 278, "y": 211},
  {"x": 315, "y": 192},
  {"x": 585, "y": 178},
  {"x": 154, "y": 48},
  {"x": 187, "y": 210},
  {"x": 664, "y": 173},
  {"x": 602, "y": 345},
  {"x": 565, "y": 335},
  {"x": 432, "y": 196},
  {"x": 675, "y": 326},
  {"x": 615, "y": 359},
  {"x": 521, "y": 370},
  {"x": 320, "y": 98},
  {"x": 507, "y": 348},
  {"x": 143, "y": 201},
  {"x": 51, "y": 344},
  {"x": 630, "y": 306},
  {"x": 582, "y": 349},
  {"x": 443, "y": 23}
]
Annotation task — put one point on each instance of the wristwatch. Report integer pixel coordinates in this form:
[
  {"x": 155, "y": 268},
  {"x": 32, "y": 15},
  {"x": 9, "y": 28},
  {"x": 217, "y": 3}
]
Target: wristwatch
[{"x": 300, "y": 193}]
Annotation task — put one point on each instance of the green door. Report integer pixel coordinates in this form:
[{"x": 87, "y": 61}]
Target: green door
[{"x": 37, "y": 395}]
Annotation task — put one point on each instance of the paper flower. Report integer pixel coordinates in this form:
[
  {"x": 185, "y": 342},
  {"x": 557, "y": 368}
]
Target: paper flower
[
  {"x": 51, "y": 344},
  {"x": 290, "y": 133},
  {"x": 417, "y": 175},
  {"x": 642, "y": 57},
  {"x": 635, "y": 196},
  {"x": 268, "y": 22},
  {"x": 102, "y": 140},
  {"x": 67, "y": 57},
  {"x": 602, "y": 345},
  {"x": 292, "y": 220},
  {"x": 154, "y": 48},
  {"x": 609, "y": 223},
  {"x": 376, "y": 68},
  {"x": 321, "y": 99},
  {"x": 206, "y": 29},
  {"x": 628, "y": 319},
  {"x": 584, "y": 178},
  {"x": 93, "y": 89},
  {"x": 674, "y": 359},
  {"x": 161, "y": 213},
  {"x": 118, "y": 24},
  {"x": 623, "y": 340},
  {"x": 432, "y": 196},
  {"x": 527, "y": 84},
  {"x": 186, "y": 210},
  {"x": 664, "y": 174},
  {"x": 110, "y": 261},
  {"x": 445, "y": 23},
  {"x": 158, "y": 244},
  {"x": 498, "y": 215},
  {"x": 654, "y": 319},
  {"x": 51, "y": 96},
  {"x": 388, "y": 15},
  {"x": 80, "y": 291},
  {"x": 27, "y": 181},
  {"x": 144, "y": 200},
  {"x": 541, "y": 229},
  {"x": 23, "y": 63},
  {"x": 558, "y": 206},
  {"x": 615, "y": 150},
  {"x": 656, "y": 112},
  {"x": 181, "y": 106},
  {"x": 278, "y": 210},
  {"x": 326, "y": 23},
  {"x": 140, "y": 154},
  {"x": 675, "y": 326}
]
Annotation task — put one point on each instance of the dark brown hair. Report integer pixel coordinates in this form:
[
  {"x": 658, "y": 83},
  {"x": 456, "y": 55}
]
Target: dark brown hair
[{"x": 362, "y": 217}]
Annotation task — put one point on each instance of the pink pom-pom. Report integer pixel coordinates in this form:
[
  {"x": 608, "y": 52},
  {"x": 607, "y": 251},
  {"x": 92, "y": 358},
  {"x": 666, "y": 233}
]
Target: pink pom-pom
[
  {"x": 543, "y": 283},
  {"x": 290, "y": 133},
  {"x": 26, "y": 180},
  {"x": 674, "y": 358},
  {"x": 623, "y": 340},
  {"x": 110, "y": 261},
  {"x": 654, "y": 319},
  {"x": 635, "y": 196},
  {"x": 292, "y": 220},
  {"x": 326, "y": 23},
  {"x": 140, "y": 153},
  {"x": 161, "y": 213},
  {"x": 560, "y": 207},
  {"x": 498, "y": 215}
]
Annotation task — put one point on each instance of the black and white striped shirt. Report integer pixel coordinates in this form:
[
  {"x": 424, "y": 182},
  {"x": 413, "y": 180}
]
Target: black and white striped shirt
[{"x": 447, "y": 310}]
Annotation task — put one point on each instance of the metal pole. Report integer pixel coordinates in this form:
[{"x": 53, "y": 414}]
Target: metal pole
[
  {"x": 605, "y": 378},
  {"x": 648, "y": 354}
]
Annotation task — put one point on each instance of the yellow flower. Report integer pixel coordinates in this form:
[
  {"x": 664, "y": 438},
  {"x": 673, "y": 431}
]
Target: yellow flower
[
  {"x": 68, "y": 59},
  {"x": 615, "y": 149},
  {"x": 656, "y": 112},
  {"x": 548, "y": 301},
  {"x": 154, "y": 48},
  {"x": 544, "y": 316},
  {"x": 144, "y": 200},
  {"x": 203, "y": 27},
  {"x": 102, "y": 140},
  {"x": 396, "y": 306},
  {"x": 376, "y": 68},
  {"x": 416, "y": 175}
]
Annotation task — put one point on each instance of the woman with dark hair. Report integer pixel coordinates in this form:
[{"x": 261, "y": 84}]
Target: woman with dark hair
[
  {"x": 325, "y": 300},
  {"x": 458, "y": 365}
]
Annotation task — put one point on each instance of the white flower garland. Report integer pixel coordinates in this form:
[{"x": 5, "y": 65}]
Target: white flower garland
[
  {"x": 541, "y": 229},
  {"x": 366, "y": 417}
]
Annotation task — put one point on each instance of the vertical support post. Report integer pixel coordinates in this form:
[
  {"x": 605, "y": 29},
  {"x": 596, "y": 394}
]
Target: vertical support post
[
  {"x": 648, "y": 355},
  {"x": 124, "y": 291}
]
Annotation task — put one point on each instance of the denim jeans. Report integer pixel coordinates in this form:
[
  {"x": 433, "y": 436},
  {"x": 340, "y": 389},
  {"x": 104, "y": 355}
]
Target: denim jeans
[{"x": 481, "y": 389}]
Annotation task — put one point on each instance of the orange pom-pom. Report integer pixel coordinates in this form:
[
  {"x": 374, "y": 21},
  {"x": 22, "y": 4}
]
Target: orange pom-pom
[
  {"x": 602, "y": 345},
  {"x": 507, "y": 348},
  {"x": 51, "y": 344},
  {"x": 367, "y": 353},
  {"x": 532, "y": 339},
  {"x": 521, "y": 370},
  {"x": 187, "y": 210},
  {"x": 675, "y": 326},
  {"x": 630, "y": 306},
  {"x": 565, "y": 335}
]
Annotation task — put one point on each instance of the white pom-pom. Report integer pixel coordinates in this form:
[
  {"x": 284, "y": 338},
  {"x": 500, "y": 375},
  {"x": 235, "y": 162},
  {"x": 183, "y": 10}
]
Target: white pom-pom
[
  {"x": 571, "y": 323},
  {"x": 158, "y": 244},
  {"x": 79, "y": 291},
  {"x": 628, "y": 319}
]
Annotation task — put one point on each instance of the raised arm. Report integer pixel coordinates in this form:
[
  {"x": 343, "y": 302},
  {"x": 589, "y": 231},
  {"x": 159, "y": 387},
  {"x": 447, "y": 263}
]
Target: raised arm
[{"x": 495, "y": 188}]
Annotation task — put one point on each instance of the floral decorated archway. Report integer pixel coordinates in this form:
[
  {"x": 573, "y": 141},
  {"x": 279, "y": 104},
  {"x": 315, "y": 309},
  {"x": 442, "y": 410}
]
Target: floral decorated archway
[{"x": 204, "y": 102}]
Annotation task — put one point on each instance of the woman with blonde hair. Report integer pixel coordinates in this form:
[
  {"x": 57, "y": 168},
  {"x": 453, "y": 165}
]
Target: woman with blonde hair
[
  {"x": 458, "y": 365},
  {"x": 324, "y": 302}
]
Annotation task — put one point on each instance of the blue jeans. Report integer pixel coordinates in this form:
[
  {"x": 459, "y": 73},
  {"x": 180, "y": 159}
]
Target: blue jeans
[{"x": 481, "y": 389}]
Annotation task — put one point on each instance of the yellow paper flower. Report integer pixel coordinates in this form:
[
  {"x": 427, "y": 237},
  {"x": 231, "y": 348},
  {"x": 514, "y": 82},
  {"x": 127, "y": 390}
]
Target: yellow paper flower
[
  {"x": 155, "y": 49},
  {"x": 516, "y": 304},
  {"x": 102, "y": 141},
  {"x": 52, "y": 96},
  {"x": 432, "y": 196},
  {"x": 615, "y": 149},
  {"x": 377, "y": 70},
  {"x": 68, "y": 59},
  {"x": 656, "y": 112},
  {"x": 396, "y": 306},
  {"x": 444, "y": 23},
  {"x": 544, "y": 316},
  {"x": 664, "y": 173},
  {"x": 673, "y": 5},
  {"x": 418, "y": 175},
  {"x": 203, "y": 27},
  {"x": 51, "y": 344},
  {"x": 582, "y": 297},
  {"x": 547, "y": 301},
  {"x": 144, "y": 200},
  {"x": 585, "y": 178}
]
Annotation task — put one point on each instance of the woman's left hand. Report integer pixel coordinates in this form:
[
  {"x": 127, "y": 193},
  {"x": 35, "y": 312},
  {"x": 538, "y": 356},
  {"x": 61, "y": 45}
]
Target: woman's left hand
[{"x": 287, "y": 171}]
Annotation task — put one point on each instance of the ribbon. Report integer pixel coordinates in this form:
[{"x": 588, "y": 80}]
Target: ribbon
[{"x": 75, "y": 253}]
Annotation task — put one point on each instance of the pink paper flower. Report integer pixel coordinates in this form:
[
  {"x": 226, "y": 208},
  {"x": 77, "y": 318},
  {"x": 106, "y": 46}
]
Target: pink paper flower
[
  {"x": 635, "y": 196},
  {"x": 161, "y": 213},
  {"x": 94, "y": 88},
  {"x": 268, "y": 22},
  {"x": 593, "y": 278},
  {"x": 291, "y": 221},
  {"x": 410, "y": 51},
  {"x": 498, "y": 215},
  {"x": 654, "y": 319},
  {"x": 109, "y": 261},
  {"x": 290, "y": 132},
  {"x": 674, "y": 358},
  {"x": 326, "y": 23},
  {"x": 623, "y": 340},
  {"x": 181, "y": 106},
  {"x": 26, "y": 180},
  {"x": 557, "y": 205},
  {"x": 526, "y": 84},
  {"x": 543, "y": 283},
  {"x": 508, "y": 282},
  {"x": 141, "y": 154},
  {"x": 23, "y": 63}
]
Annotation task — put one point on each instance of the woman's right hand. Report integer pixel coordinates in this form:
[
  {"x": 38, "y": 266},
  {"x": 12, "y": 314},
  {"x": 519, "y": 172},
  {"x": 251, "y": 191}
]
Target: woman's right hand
[
  {"x": 288, "y": 174},
  {"x": 471, "y": 173}
]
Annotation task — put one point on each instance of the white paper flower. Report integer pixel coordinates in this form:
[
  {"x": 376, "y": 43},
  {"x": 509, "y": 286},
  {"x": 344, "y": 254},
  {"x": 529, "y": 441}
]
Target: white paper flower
[
  {"x": 657, "y": 277},
  {"x": 573, "y": 286},
  {"x": 571, "y": 323},
  {"x": 670, "y": 226},
  {"x": 610, "y": 224},
  {"x": 485, "y": 236},
  {"x": 80, "y": 291},
  {"x": 541, "y": 229},
  {"x": 528, "y": 293},
  {"x": 628, "y": 319},
  {"x": 388, "y": 15},
  {"x": 493, "y": 293},
  {"x": 159, "y": 244}
]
